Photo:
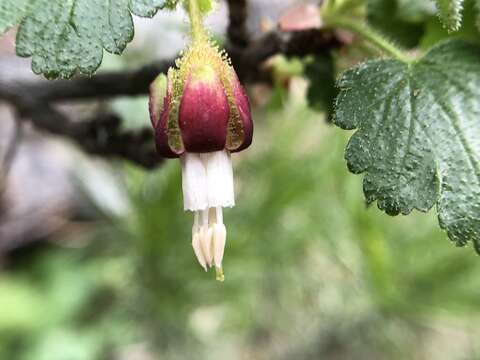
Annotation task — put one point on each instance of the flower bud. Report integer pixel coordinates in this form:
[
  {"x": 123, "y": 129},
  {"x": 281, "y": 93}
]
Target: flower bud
[{"x": 201, "y": 107}]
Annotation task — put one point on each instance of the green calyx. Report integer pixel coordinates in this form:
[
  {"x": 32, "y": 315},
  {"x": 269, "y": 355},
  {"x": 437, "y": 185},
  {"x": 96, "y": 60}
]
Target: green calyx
[
  {"x": 158, "y": 91},
  {"x": 175, "y": 141},
  {"x": 203, "y": 73},
  {"x": 235, "y": 132}
]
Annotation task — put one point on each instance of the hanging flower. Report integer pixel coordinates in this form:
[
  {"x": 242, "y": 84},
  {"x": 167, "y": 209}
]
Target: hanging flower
[{"x": 201, "y": 114}]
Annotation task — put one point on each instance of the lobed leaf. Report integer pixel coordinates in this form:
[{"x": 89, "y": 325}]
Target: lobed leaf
[
  {"x": 68, "y": 36},
  {"x": 12, "y": 12},
  {"x": 418, "y": 137},
  {"x": 146, "y": 8}
]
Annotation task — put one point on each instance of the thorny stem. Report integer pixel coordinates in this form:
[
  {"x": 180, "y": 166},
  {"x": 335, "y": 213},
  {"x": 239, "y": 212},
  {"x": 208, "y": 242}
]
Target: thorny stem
[
  {"x": 371, "y": 35},
  {"x": 343, "y": 14}
]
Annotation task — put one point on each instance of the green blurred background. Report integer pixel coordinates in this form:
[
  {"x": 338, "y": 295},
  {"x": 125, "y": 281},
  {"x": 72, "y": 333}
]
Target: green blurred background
[{"x": 311, "y": 271}]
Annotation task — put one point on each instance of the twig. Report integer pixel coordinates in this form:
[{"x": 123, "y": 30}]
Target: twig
[
  {"x": 103, "y": 135},
  {"x": 296, "y": 43},
  {"x": 136, "y": 82},
  {"x": 10, "y": 152},
  {"x": 237, "y": 28},
  {"x": 102, "y": 85}
]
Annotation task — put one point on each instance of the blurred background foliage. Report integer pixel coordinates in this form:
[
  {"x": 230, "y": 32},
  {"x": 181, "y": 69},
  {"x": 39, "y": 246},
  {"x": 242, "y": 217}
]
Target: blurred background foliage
[{"x": 311, "y": 272}]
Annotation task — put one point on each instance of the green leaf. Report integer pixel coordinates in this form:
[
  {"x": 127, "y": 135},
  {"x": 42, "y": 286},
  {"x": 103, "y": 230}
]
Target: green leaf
[
  {"x": 65, "y": 37},
  {"x": 146, "y": 8},
  {"x": 321, "y": 74},
  {"x": 450, "y": 13},
  {"x": 418, "y": 137},
  {"x": 12, "y": 12},
  {"x": 394, "y": 18}
]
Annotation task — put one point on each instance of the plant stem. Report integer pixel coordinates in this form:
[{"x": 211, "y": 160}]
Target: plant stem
[
  {"x": 196, "y": 21},
  {"x": 371, "y": 35}
]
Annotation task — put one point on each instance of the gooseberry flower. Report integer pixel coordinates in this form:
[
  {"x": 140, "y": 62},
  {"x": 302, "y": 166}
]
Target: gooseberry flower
[{"x": 201, "y": 114}]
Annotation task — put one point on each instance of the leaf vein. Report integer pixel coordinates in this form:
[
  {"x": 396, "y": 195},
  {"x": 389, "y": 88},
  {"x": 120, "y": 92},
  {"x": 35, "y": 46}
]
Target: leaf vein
[{"x": 453, "y": 119}]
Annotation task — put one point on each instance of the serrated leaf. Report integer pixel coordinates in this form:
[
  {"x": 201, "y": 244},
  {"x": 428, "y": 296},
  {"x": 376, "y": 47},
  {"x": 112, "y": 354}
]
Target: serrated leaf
[
  {"x": 450, "y": 13},
  {"x": 12, "y": 12},
  {"x": 146, "y": 8},
  {"x": 65, "y": 37},
  {"x": 418, "y": 137}
]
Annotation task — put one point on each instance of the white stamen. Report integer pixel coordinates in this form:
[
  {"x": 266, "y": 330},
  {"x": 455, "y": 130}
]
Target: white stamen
[
  {"x": 206, "y": 236},
  {"x": 207, "y": 181},
  {"x": 196, "y": 226},
  {"x": 219, "y": 239},
  {"x": 198, "y": 250},
  {"x": 219, "y": 214}
]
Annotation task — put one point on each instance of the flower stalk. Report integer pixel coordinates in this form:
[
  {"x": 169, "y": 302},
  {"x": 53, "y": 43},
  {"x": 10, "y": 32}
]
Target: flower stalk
[
  {"x": 349, "y": 15},
  {"x": 198, "y": 31},
  {"x": 372, "y": 36}
]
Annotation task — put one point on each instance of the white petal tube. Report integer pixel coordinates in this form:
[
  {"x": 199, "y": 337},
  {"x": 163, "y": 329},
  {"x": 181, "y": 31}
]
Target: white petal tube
[
  {"x": 207, "y": 180},
  {"x": 219, "y": 179},
  {"x": 194, "y": 182}
]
